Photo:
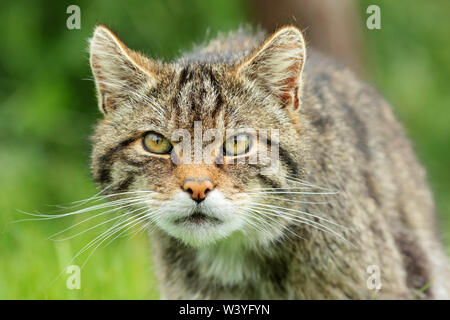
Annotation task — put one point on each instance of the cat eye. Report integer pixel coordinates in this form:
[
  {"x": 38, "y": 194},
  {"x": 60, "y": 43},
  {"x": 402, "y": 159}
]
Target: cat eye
[
  {"x": 237, "y": 145},
  {"x": 155, "y": 143}
]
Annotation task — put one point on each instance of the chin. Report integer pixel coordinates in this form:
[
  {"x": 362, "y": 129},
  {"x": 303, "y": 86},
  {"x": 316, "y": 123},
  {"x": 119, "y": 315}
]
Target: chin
[{"x": 199, "y": 225}]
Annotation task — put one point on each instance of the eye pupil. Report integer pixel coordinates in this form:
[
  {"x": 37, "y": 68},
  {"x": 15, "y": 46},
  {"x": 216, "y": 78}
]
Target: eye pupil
[{"x": 237, "y": 145}]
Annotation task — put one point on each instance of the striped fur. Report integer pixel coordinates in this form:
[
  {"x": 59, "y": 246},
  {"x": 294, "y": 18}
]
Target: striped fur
[{"x": 336, "y": 134}]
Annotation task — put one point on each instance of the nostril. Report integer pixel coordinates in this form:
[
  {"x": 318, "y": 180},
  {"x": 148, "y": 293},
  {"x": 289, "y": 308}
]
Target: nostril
[
  {"x": 208, "y": 189},
  {"x": 198, "y": 188}
]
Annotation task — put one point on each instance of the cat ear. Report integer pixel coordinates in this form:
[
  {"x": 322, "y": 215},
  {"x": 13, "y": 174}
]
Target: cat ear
[
  {"x": 277, "y": 65},
  {"x": 117, "y": 70}
]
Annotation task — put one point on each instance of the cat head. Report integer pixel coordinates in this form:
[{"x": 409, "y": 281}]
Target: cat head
[{"x": 177, "y": 139}]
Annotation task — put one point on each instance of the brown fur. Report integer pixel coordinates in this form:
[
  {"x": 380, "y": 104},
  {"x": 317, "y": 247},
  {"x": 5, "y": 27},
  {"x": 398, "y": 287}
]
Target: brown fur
[{"x": 335, "y": 132}]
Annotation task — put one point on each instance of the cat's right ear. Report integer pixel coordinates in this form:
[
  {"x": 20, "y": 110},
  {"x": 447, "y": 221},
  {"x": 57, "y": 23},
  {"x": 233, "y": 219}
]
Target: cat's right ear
[
  {"x": 277, "y": 65},
  {"x": 118, "y": 71}
]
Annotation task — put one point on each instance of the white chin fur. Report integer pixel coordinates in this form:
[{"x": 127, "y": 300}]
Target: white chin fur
[{"x": 215, "y": 205}]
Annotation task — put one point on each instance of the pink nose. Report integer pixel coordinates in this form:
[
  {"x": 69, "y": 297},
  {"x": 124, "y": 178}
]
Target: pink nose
[{"x": 198, "y": 188}]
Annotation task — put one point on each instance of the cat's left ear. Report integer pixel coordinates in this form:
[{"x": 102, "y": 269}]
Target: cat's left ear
[
  {"x": 118, "y": 71},
  {"x": 277, "y": 65}
]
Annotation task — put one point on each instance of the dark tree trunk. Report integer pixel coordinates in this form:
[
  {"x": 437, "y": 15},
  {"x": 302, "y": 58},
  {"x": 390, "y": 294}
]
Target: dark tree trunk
[{"x": 333, "y": 27}]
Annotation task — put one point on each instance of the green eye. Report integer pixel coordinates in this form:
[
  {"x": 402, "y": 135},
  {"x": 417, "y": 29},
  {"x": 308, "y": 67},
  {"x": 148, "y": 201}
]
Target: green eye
[
  {"x": 237, "y": 145},
  {"x": 156, "y": 143}
]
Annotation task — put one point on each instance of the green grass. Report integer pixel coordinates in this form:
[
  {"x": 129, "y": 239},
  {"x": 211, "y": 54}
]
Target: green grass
[
  {"x": 47, "y": 110},
  {"x": 408, "y": 61}
]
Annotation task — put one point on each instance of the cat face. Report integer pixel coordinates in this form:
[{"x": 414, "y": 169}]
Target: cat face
[{"x": 189, "y": 144}]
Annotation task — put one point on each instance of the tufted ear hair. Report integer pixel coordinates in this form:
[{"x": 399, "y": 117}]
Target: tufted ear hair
[
  {"x": 277, "y": 65},
  {"x": 118, "y": 71}
]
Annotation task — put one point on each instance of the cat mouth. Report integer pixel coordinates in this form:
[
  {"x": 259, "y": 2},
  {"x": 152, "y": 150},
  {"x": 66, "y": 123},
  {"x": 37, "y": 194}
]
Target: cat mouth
[{"x": 197, "y": 218}]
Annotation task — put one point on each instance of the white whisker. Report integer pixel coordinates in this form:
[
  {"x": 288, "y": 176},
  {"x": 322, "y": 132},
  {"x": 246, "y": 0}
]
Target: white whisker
[
  {"x": 305, "y": 183},
  {"x": 296, "y": 201},
  {"x": 305, "y": 221},
  {"x": 301, "y": 212},
  {"x": 94, "y": 227},
  {"x": 273, "y": 219},
  {"x": 293, "y": 192},
  {"x": 110, "y": 234}
]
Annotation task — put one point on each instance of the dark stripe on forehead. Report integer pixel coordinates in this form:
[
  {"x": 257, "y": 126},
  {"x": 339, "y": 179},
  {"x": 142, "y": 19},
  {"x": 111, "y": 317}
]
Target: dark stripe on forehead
[
  {"x": 183, "y": 77},
  {"x": 195, "y": 109},
  {"x": 186, "y": 76},
  {"x": 217, "y": 90}
]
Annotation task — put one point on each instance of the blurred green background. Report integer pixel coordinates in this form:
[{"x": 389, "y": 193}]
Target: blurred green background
[{"x": 48, "y": 109}]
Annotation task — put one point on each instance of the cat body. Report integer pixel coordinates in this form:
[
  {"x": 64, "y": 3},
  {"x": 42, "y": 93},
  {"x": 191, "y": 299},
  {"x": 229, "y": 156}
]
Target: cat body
[{"x": 348, "y": 214}]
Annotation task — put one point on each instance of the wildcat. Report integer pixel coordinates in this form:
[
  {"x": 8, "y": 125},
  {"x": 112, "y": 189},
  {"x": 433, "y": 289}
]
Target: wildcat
[{"x": 347, "y": 214}]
